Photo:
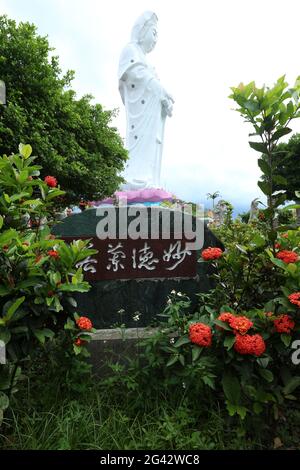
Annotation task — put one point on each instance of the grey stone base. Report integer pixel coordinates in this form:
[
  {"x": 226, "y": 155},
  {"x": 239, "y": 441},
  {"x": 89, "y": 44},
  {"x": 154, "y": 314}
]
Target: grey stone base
[{"x": 115, "y": 346}]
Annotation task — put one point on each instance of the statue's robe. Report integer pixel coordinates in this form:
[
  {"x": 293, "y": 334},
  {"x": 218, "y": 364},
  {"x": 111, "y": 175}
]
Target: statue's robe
[{"x": 142, "y": 95}]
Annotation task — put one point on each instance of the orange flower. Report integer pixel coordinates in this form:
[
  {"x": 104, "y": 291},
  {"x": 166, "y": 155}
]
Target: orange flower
[
  {"x": 225, "y": 317},
  {"x": 268, "y": 314},
  {"x": 240, "y": 324},
  {"x": 200, "y": 334},
  {"x": 250, "y": 344},
  {"x": 295, "y": 298},
  {"x": 284, "y": 324},
  {"x": 287, "y": 256},
  {"x": 79, "y": 342},
  {"x": 50, "y": 181},
  {"x": 84, "y": 323},
  {"x": 53, "y": 254},
  {"x": 211, "y": 253}
]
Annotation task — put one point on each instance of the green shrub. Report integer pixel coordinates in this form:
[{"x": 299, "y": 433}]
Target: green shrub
[{"x": 38, "y": 273}]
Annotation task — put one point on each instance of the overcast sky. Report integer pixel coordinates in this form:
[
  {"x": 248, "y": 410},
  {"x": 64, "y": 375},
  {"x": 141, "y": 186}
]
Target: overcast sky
[{"x": 203, "y": 49}]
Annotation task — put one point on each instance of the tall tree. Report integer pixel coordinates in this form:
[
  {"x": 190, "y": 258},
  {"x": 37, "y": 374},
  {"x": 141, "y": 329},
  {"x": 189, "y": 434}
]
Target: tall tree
[
  {"x": 213, "y": 196},
  {"x": 73, "y": 137}
]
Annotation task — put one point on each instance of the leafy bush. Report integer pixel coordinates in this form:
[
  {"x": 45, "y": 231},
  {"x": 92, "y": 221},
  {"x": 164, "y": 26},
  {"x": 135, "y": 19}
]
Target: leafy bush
[
  {"x": 72, "y": 137},
  {"x": 38, "y": 272},
  {"x": 238, "y": 344}
]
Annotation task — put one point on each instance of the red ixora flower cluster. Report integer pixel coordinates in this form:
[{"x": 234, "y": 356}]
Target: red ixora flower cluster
[
  {"x": 79, "y": 342},
  {"x": 250, "y": 344},
  {"x": 240, "y": 324},
  {"x": 53, "y": 253},
  {"x": 295, "y": 298},
  {"x": 84, "y": 323},
  {"x": 225, "y": 317},
  {"x": 200, "y": 334},
  {"x": 211, "y": 253},
  {"x": 51, "y": 181},
  {"x": 287, "y": 256},
  {"x": 284, "y": 324}
]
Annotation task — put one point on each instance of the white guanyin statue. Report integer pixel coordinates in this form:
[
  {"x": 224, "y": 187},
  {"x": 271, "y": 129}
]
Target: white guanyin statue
[{"x": 147, "y": 105}]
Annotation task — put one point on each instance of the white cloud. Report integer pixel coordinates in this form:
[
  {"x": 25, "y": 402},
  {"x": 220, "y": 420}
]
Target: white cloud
[{"x": 203, "y": 49}]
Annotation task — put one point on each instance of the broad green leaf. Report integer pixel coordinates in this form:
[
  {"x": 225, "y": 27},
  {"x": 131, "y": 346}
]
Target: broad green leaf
[
  {"x": 258, "y": 240},
  {"x": 279, "y": 263},
  {"x": 181, "y": 359},
  {"x": 266, "y": 374},
  {"x": 223, "y": 325},
  {"x": 41, "y": 335},
  {"x": 252, "y": 106},
  {"x": 25, "y": 150},
  {"x": 172, "y": 360},
  {"x": 264, "y": 166},
  {"x": 77, "y": 349},
  {"x": 291, "y": 385},
  {"x": 209, "y": 381},
  {"x": 291, "y": 206},
  {"x": 80, "y": 287},
  {"x": 241, "y": 411},
  {"x": 232, "y": 388},
  {"x": 54, "y": 193},
  {"x": 286, "y": 339},
  {"x": 5, "y": 335},
  {"x": 278, "y": 179},
  {"x": 229, "y": 342},
  {"x": 196, "y": 351},
  {"x": 4, "y": 401},
  {"x": 280, "y": 133},
  {"x": 16, "y": 197},
  {"x": 181, "y": 341},
  {"x": 265, "y": 187},
  {"x": 23, "y": 176},
  {"x": 7, "y": 236},
  {"x": 263, "y": 361},
  {"x": 12, "y": 309},
  {"x": 291, "y": 268},
  {"x": 279, "y": 200},
  {"x": 259, "y": 147}
]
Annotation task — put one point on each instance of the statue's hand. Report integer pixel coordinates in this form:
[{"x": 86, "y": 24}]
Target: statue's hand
[
  {"x": 167, "y": 105},
  {"x": 170, "y": 98}
]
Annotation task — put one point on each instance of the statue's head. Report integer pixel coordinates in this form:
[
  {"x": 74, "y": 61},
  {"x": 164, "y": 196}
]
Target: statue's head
[{"x": 144, "y": 31}]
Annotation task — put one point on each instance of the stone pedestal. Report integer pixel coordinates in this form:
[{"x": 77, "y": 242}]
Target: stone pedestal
[{"x": 122, "y": 295}]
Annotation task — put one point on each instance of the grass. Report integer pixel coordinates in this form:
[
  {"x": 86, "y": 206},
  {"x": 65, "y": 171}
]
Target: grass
[
  {"x": 72, "y": 424},
  {"x": 52, "y": 412}
]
